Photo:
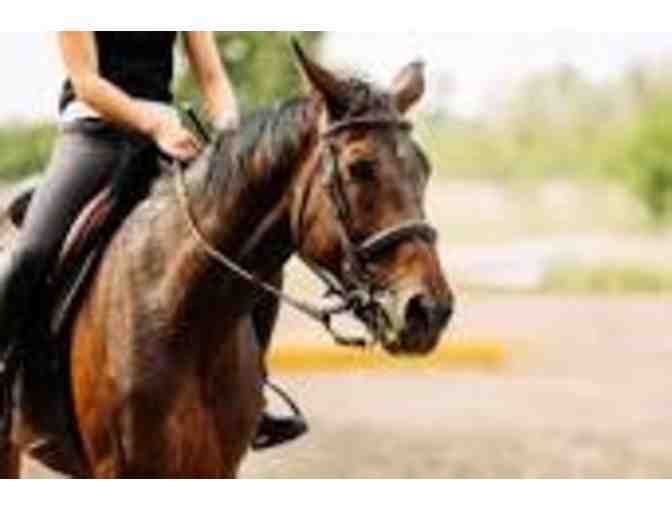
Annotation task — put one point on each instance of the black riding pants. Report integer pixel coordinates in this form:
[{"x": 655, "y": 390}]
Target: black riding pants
[{"x": 88, "y": 156}]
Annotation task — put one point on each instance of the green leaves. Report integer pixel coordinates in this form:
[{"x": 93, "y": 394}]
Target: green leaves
[
  {"x": 650, "y": 157},
  {"x": 260, "y": 64},
  {"x": 24, "y": 149}
]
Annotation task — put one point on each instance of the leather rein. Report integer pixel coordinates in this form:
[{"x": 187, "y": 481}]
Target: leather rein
[{"x": 357, "y": 293}]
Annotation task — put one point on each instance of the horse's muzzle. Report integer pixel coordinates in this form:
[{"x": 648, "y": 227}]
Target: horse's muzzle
[{"x": 417, "y": 320}]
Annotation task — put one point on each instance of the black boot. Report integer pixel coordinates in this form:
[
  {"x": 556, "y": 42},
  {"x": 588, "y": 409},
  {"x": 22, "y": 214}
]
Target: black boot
[
  {"x": 276, "y": 430},
  {"x": 6, "y": 405},
  {"x": 15, "y": 324},
  {"x": 7, "y": 354}
]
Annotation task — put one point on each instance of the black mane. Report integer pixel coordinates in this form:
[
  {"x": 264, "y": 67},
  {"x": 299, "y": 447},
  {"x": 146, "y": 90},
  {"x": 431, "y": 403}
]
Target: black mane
[
  {"x": 276, "y": 131},
  {"x": 274, "y": 134}
]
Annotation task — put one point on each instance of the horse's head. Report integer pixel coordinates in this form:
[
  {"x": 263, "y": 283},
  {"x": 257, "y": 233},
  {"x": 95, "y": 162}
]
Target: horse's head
[{"x": 358, "y": 210}]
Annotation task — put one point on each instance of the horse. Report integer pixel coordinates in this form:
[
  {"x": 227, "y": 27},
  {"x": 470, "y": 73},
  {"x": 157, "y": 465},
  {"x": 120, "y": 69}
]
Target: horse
[{"x": 167, "y": 348}]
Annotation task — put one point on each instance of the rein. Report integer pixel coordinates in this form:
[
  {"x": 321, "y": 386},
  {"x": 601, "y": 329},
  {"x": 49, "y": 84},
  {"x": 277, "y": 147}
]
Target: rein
[
  {"x": 358, "y": 293},
  {"x": 323, "y": 315}
]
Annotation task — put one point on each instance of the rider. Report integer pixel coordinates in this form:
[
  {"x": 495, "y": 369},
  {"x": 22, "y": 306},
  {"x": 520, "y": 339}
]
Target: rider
[{"x": 116, "y": 97}]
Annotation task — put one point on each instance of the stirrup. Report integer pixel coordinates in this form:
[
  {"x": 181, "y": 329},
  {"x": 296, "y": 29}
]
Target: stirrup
[{"x": 274, "y": 431}]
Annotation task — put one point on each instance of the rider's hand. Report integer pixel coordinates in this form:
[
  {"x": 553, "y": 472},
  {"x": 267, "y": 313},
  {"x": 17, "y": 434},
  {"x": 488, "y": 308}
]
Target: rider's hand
[{"x": 175, "y": 140}]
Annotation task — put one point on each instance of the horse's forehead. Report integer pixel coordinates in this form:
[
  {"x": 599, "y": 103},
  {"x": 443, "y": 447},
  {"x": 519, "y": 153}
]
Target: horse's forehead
[
  {"x": 398, "y": 142},
  {"x": 369, "y": 139},
  {"x": 362, "y": 146}
]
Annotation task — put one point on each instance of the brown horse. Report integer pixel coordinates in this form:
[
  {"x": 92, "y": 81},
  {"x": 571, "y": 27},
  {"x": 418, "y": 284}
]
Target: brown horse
[{"x": 167, "y": 372}]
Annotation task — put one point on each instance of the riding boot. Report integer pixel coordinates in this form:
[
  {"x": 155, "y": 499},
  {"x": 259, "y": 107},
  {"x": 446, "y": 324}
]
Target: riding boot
[
  {"x": 276, "y": 430},
  {"x": 6, "y": 408},
  {"x": 7, "y": 348},
  {"x": 15, "y": 323}
]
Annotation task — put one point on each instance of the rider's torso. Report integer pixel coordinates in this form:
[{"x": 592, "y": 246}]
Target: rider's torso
[{"x": 140, "y": 63}]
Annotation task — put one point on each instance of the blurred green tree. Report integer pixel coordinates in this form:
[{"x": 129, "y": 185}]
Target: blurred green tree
[
  {"x": 649, "y": 168},
  {"x": 260, "y": 65},
  {"x": 24, "y": 149}
]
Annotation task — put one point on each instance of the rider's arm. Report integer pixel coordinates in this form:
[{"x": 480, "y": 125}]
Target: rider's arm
[
  {"x": 79, "y": 54},
  {"x": 211, "y": 77}
]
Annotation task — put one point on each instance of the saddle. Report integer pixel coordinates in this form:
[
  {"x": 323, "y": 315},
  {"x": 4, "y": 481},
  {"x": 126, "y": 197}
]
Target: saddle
[
  {"x": 83, "y": 242},
  {"x": 45, "y": 411}
]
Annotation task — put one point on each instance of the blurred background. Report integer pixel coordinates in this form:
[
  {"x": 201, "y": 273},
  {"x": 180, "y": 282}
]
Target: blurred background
[{"x": 552, "y": 190}]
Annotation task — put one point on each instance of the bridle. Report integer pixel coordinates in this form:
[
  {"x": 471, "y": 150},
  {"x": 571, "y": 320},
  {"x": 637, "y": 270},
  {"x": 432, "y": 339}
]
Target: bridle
[{"x": 358, "y": 290}]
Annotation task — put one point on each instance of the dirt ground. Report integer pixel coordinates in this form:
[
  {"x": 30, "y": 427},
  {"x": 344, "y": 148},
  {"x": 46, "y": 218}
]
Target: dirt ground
[{"x": 585, "y": 394}]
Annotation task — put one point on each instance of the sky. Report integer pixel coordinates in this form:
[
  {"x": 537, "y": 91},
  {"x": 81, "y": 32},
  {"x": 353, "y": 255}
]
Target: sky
[
  {"x": 465, "y": 70},
  {"x": 481, "y": 66}
]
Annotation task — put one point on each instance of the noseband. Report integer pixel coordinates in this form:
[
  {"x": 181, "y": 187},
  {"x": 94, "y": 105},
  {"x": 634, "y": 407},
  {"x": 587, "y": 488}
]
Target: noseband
[
  {"x": 357, "y": 293},
  {"x": 359, "y": 287},
  {"x": 359, "y": 255}
]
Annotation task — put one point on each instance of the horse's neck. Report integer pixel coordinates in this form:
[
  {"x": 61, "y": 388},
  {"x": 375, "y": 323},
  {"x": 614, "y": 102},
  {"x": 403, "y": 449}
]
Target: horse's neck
[
  {"x": 244, "y": 200},
  {"x": 230, "y": 206}
]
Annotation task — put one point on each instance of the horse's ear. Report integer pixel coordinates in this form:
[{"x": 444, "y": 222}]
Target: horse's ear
[
  {"x": 324, "y": 82},
  {"x": 409, "y": 86}
]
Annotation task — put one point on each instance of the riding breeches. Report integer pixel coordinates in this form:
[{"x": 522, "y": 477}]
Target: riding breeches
[{"x": 87, "y": 157}]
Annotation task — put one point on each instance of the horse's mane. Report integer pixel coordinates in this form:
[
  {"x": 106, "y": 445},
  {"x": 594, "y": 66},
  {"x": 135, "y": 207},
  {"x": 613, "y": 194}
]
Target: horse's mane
[
  {"x": 270, "y": 134},
  {"x": 274, "y": 134}
]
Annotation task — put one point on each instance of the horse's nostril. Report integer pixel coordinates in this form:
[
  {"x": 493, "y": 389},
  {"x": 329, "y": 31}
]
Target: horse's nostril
[
  {"x": 444, "y": 312},
  {"x": 423, "y": 313},
  {"x": 419, "y": 313}
]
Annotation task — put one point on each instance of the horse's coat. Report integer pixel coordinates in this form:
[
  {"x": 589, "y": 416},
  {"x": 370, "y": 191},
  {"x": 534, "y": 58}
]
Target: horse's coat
[{"x": 167, "y": 370}]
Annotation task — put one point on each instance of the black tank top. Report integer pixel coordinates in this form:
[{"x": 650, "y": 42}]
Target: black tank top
[{"x": 139, "y": 63}]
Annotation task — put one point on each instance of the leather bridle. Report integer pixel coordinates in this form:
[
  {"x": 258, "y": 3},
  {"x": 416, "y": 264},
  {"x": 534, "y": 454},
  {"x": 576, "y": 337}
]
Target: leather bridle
[
  {"x": 358, "y": 287},
  {"x": 357, "y": 291}
]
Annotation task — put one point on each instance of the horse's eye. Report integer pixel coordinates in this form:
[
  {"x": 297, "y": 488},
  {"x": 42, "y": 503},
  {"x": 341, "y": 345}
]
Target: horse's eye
[{"x": 364, "y": 169}]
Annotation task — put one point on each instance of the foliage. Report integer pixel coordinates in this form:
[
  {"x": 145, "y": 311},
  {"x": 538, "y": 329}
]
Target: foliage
[
  {"x": 558, "y": 123},
  {"x": 260, "y": 65},
  {"x": 24, "y": 149},
  {"x": 612, "y": 278},
  {"x": 650, "y": 157},
  {"x": 553, "y": 124}
]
